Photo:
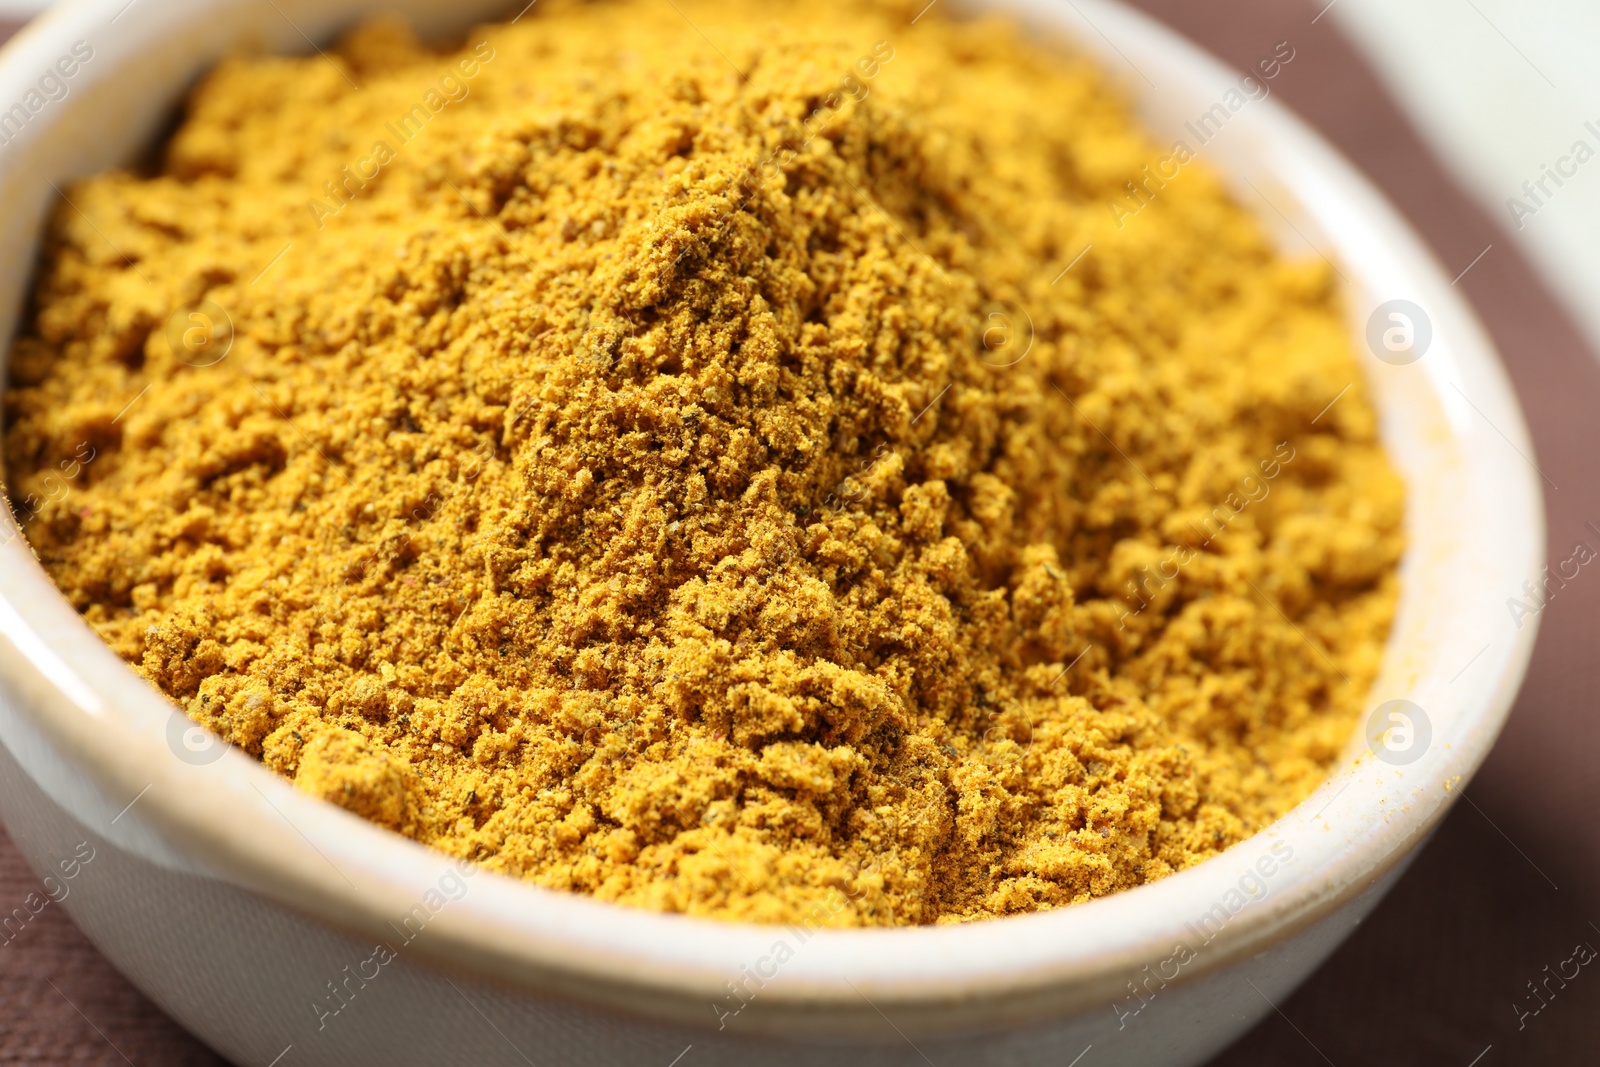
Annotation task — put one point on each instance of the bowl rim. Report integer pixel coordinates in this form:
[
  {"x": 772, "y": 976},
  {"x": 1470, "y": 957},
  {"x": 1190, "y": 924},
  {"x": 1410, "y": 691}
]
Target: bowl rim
[{"x": 333, "y": 867}]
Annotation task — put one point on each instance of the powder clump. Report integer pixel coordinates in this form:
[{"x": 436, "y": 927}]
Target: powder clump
[{"x": 700, "y": 465}]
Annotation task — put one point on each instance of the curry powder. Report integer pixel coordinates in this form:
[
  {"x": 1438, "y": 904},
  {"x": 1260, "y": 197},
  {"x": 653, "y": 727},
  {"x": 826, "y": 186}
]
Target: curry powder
[{"x": 739, "y": 466}]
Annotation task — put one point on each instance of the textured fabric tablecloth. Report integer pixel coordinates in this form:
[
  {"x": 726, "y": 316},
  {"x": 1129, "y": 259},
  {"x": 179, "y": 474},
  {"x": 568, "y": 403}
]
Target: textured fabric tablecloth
[{"x": 1512, "y": 880}]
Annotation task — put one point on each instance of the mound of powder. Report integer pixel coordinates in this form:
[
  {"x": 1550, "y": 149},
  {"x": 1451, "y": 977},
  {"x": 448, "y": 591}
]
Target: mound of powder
[{"x": 698, "y": 463}]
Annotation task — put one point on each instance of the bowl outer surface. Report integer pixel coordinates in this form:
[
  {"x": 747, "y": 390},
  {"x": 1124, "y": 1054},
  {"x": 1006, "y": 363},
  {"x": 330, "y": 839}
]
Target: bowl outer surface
[{"x": 1450, "y": 420}]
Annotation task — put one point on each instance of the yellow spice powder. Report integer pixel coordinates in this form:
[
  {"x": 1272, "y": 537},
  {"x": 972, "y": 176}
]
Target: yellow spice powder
[{"x": 697, "y": 463}]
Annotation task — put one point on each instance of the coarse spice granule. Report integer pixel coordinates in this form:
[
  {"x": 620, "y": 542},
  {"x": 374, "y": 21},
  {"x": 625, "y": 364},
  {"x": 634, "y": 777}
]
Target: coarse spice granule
[{"x": 674, "y": 462}]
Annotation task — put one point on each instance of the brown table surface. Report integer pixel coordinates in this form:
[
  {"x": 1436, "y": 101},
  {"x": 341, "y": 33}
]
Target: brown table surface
[{"x": 1512, "y": 880}]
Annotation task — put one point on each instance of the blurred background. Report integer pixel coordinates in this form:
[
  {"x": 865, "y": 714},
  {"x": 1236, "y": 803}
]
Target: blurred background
[{"x": 1480, "y": 119}]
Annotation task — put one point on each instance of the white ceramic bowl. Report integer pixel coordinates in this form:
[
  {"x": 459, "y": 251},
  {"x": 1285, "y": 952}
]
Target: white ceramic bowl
[{"x": 239, "y": 904}]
